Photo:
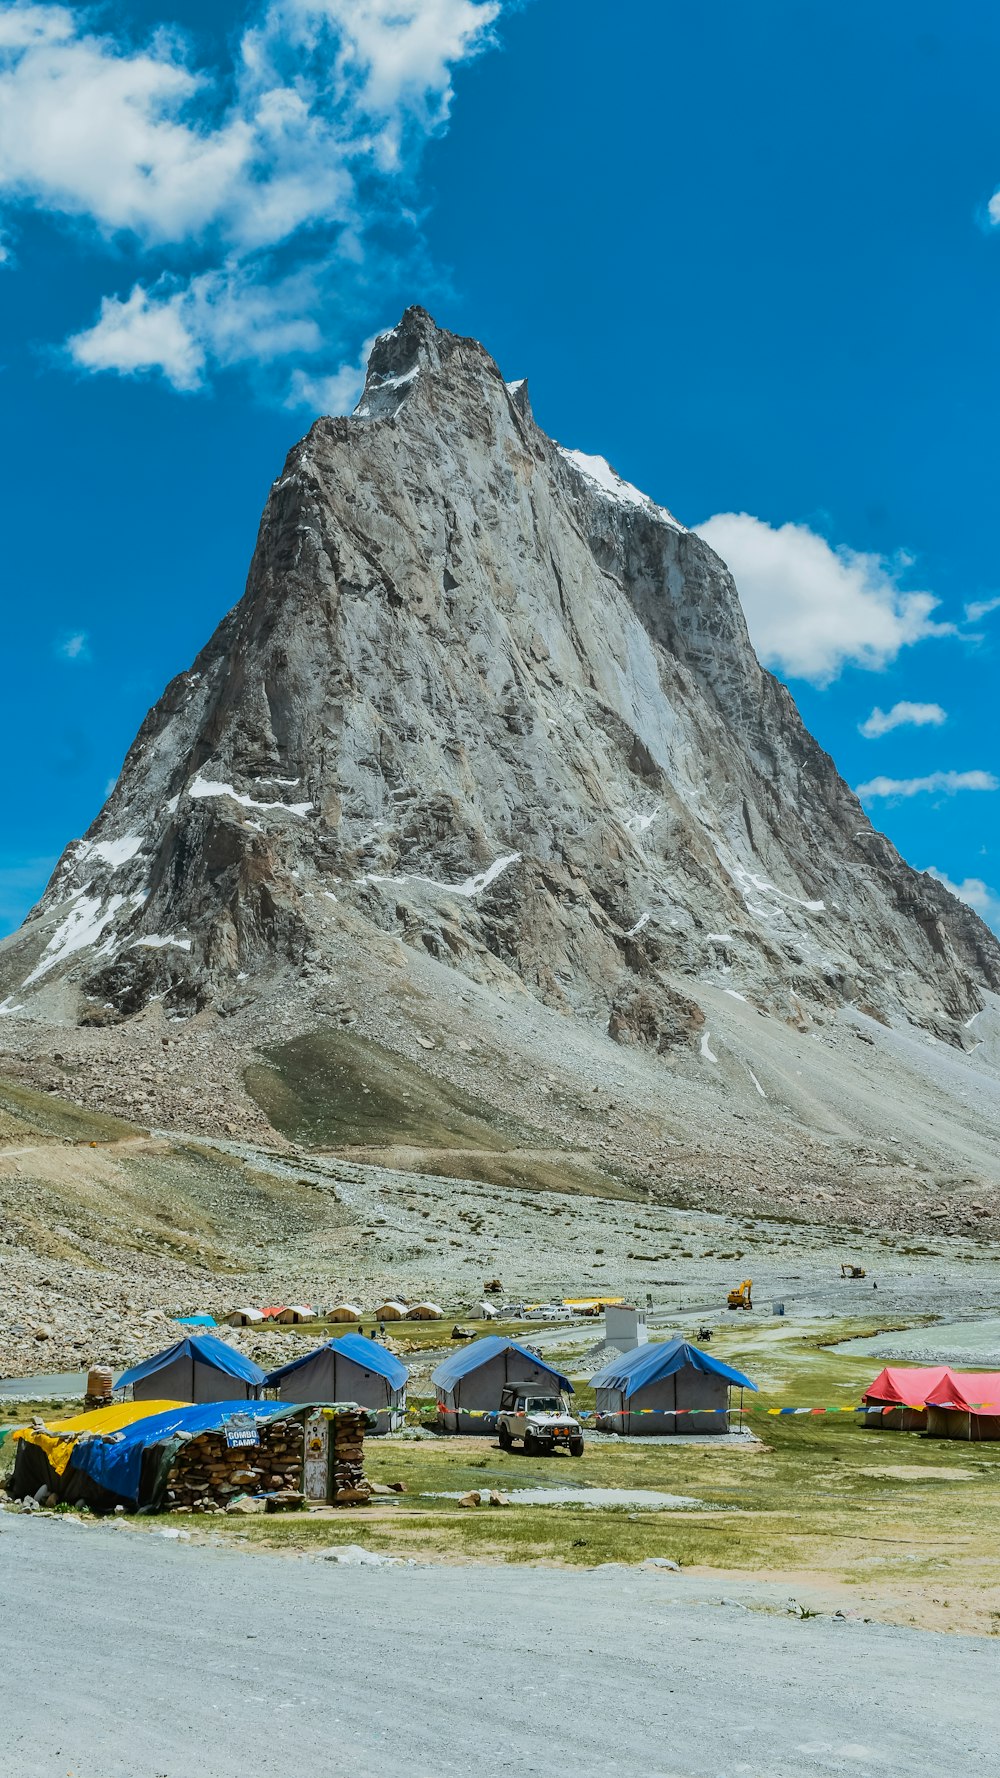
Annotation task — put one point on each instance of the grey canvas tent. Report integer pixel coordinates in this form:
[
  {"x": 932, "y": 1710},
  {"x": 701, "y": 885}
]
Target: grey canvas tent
[
  {"x": 665, "y": 1388},
  {"x": 200, "y": 1368},
  {"x": 468, "y": 1384},
  {"x": 351, "y": 1368}
]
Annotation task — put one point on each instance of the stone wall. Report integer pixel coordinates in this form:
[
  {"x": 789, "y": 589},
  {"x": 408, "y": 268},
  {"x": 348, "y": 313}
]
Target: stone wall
[{"x": 207, "y": 1476}]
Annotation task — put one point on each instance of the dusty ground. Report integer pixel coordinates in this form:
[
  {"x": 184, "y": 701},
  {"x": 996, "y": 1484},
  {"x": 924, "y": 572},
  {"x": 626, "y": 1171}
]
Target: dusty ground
[{"x": 392, "y": 1671}]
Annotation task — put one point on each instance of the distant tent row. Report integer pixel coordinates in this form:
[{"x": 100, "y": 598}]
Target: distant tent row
[
  {"x": 392, "y": 1310},
  {"x": 291, "y": 1313},
  {"x": 941, "y": 1402}
]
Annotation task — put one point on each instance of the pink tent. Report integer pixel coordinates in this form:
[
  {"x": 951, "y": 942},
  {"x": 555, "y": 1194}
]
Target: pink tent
[
  {"x": 965, "y": 1404},
  {"x": 897, "y": 1399}
]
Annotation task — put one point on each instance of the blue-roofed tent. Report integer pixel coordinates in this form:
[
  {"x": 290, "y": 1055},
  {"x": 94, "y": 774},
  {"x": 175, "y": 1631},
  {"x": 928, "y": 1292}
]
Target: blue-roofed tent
[
  {"x": 469, "y": 1383},
  {"x": 131, "y": 1466},
  {"x": 352, "y": 1368},
  {"x": 666, "y": 1387},
  {"x": 199, "y": 1368}
]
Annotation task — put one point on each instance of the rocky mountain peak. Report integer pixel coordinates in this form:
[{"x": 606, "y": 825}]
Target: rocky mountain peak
[{"x": 485, "y": 702}]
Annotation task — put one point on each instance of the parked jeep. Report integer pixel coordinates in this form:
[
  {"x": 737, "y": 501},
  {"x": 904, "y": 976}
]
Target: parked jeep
[{"x": 543, "y": 1421}]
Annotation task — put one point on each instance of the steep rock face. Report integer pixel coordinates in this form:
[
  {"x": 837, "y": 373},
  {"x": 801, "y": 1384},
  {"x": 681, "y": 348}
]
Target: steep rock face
[{"x": 482, "y": 695}]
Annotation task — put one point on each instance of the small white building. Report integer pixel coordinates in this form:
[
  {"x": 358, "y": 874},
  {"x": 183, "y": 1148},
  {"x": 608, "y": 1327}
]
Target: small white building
[{"x": 625, "y": 1326}]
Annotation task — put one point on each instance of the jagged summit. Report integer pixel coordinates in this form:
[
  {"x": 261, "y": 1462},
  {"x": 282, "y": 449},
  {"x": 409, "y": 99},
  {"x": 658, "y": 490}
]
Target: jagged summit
[{"x": 483, "y": 697}]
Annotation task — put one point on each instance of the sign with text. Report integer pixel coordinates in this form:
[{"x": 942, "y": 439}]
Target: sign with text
[{"x": 241, "y": 1431}]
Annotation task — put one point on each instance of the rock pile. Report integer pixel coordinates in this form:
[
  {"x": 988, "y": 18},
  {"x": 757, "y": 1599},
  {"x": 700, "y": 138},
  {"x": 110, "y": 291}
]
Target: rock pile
[{"x": 347, "y": 1433}]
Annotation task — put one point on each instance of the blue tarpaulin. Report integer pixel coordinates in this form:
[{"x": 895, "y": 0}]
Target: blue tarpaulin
[
  {"x": 203, "y": 1349},
  {"x": 116, "y": 1463},
  {"x": 469, "y": 1358},
  {"x": 196, "y": 1321},
  {"x": 649, "y": 1363},
  {"x": 360, "y": 1350}
]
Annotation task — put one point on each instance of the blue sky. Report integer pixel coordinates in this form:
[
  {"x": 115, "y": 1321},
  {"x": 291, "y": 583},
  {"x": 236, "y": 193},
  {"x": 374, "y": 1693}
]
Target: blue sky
[{"x": 745, "y": 253}]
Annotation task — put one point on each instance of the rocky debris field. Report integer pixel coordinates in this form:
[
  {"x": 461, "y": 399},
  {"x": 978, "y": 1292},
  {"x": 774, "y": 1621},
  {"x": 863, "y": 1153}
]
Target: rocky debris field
[
  {"x": 338, "y": 1229},
  {"x": 292, "y": 1151}
]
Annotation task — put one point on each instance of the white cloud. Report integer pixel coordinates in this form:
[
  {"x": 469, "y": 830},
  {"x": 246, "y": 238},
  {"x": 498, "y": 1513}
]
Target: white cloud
[
  {"x": 975, "y": 893},
  {"x": 980, "y": 608},
  {"x": 935, "y": 783},
  {"x": 226, "y": 317},
  {"x": 812, "y": 609},
  {"x": 74, "y": 647},
  {"x": 141, "y": 333},
  {"x": 337, "y": 393},
  {"x": 309, "y": 138},
  {"x": 902, "y": 715},
  {"x": 91, "y": 129}
]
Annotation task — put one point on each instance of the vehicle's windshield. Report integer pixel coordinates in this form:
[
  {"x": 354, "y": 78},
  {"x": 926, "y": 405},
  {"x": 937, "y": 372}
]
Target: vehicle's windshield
[{"x": 545, "y": 1404}]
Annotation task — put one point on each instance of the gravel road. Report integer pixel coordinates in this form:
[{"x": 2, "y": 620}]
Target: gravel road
[{"x": 125, "y": 1656}]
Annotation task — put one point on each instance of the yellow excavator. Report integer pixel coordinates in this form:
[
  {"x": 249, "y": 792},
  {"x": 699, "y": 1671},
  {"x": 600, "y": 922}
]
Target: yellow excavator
[
  {"x": 740, "y": 1298},
  {"x": 847, "y": 1270}
]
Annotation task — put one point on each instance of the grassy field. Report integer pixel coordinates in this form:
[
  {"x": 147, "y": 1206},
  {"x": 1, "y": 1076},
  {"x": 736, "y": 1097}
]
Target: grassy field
[
  {"x": 893, "y": 1524},
  {"x": 890, "y": 1524},
  {"x": 29, "y": 1117},
  {"x": 411, "y": 1335}
]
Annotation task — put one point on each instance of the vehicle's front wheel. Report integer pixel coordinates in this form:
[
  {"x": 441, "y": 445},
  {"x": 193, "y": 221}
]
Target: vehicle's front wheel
[{"x": 576, "y": 1446}]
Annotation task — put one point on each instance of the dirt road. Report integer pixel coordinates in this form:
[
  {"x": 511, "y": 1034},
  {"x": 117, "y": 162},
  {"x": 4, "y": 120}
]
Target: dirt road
[{"x": 124, "y": 1655}]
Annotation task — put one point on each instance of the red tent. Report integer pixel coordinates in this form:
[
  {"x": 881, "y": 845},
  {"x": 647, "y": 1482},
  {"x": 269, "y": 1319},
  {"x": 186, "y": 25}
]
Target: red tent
[
  {"x": 897, "y": 1398},
  {"x": 965, "y": 1404},
  {"x": 973, "y": 1391},
  {"x": 904, "y": 1386}
]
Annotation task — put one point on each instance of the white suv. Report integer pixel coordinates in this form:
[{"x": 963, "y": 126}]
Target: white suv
[{"x": 543, "y": 1422}]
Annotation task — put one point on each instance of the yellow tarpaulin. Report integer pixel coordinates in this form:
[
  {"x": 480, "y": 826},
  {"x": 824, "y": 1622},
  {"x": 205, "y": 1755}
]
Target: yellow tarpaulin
[
  {"x": 59, "y": 1436},
  {"x": 589, "y": 1302}
]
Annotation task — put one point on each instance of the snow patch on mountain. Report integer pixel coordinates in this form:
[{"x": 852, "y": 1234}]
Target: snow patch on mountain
[
  {"x": 200, "y": 787},
  {"x": 599, "y": 471}
]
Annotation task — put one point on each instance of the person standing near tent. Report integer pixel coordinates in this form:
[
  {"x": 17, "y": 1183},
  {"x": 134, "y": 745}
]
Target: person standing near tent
[{"x": 381, "y": 1330}]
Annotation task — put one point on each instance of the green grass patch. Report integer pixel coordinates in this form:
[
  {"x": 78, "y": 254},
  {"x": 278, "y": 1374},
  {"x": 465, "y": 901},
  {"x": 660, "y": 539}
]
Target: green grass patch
[
  {"x": 26, "y": 1116},
  {"x": 334, "y": 1091},
  {"x": 331, "y": 1089}
]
